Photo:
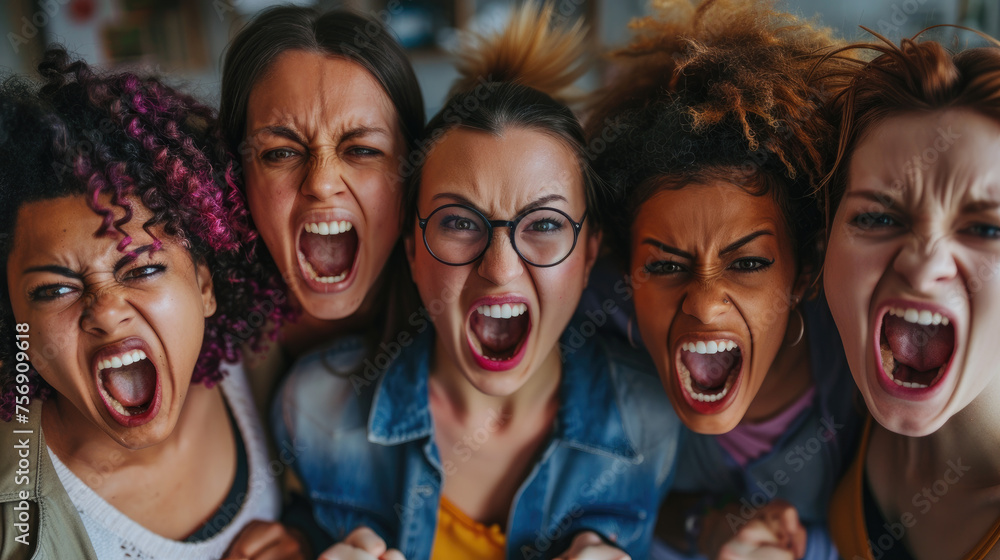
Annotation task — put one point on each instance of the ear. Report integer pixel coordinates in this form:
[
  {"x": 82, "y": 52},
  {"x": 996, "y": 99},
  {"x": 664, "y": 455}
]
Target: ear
[
  {"x": 204, "y": 278},
  {"x": 593, "y": 248},
  {"x": 802, "y": 284}
]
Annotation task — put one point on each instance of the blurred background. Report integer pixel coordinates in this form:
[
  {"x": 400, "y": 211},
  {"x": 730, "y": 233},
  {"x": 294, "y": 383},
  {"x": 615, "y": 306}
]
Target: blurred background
[{"x": 185, "y": 39}]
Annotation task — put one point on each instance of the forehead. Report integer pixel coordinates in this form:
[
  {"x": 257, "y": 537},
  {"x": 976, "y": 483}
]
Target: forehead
[
  {"x": 946, "y": 156},
  {"x": 66, "y": 228},
  {"x": 710, "y": 213},
  {"x": 312, "y": 89},
  {"x": 502, "y": 173}
]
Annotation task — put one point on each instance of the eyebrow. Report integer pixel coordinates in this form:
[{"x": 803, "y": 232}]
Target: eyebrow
[
  {"x": 727, "y": 249},
  {"x": 530, "y": 206},
  {"x": 286, "y": 132},
  {"x": 131, "y": 257},
  {"x": 981, "y": 206},
  {"x": 880, "y": 197},
  {"x": 63, "y": 271}
]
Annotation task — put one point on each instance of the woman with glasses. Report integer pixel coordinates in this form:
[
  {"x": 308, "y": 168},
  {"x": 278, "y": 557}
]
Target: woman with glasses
[{"x": 493, "y": 434}]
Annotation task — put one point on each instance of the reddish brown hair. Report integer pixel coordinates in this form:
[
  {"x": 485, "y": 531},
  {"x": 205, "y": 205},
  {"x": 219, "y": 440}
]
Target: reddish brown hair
[{"x": 912, "y": 77}]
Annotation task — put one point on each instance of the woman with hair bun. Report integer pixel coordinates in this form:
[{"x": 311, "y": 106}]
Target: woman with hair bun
[
  {"x": 491, "y": 435},
  {"x": 127, "y": 279},
  {"x": 720, "y": 146},
  {"x": 912, "y": 278}
]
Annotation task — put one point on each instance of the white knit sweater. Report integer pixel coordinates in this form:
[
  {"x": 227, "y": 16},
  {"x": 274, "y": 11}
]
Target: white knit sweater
[{"x": 116, "y": 537}]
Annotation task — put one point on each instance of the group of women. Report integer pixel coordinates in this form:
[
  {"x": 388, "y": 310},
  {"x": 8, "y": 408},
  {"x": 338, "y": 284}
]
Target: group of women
[{"x": 793, "y": 360}]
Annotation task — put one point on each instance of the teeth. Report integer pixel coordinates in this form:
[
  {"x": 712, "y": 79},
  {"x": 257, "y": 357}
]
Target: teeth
[
  {"x": 323, "y": 279},
  {"x": 124, "y": 359},
  {"x": 505, "y": 311},
  {"x": 906, "y": 384},
  {"x": 919, "y": 317},
  {"x": 329, "y": 228},
  {"x": 710, "y": 347}
]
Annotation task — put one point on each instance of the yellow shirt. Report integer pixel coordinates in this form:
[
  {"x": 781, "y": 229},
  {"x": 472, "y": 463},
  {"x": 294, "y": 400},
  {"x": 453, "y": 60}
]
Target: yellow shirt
[
  {"x": 847, "y": 513},
  {"x": 459, "y": 537}
]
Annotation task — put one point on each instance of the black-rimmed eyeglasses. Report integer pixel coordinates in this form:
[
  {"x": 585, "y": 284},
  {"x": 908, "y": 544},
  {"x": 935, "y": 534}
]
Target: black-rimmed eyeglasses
[{"x": 457, "y": 235}]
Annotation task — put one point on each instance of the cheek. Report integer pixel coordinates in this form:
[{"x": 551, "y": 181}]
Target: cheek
[
  {"x": 655, "y": 308},
  {"x": 269, "y": 201},
  {"x": 439, "y": 285}
]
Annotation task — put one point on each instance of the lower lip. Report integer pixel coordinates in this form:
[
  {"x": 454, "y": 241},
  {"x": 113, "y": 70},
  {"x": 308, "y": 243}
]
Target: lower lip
[
  {"x": 495, "y": 365},
  {"x": 898, "y": 391},
  {"x": 715, "y": 407},
  {"x": 136, "y": 419}
]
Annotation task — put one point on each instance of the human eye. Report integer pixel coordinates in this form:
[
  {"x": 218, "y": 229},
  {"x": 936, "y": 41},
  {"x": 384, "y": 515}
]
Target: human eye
[
  {"x": 278, "y": 155},
  {"x": 459, "y": 223},
  {"x": 985, "y": 231},
  {"x": 663, "y": 268},
  {"x": 874, "y": 220},
  {"x": 49, "y": 292},
  {"x": 364, "y": 151},
  {"x": 144, "y": 271},
  {"x": 547, "y": 224},
  {"x": 751, "y": 264}
]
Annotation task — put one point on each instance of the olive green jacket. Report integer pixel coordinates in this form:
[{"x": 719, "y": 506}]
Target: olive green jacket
[{"x": 37, "y": 518}]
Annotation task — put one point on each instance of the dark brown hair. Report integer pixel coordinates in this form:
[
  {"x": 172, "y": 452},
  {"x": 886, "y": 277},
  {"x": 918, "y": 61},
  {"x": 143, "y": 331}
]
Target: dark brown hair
[
  {"x": 718, "y": 93},
  {"x": 356, "y": 37}
]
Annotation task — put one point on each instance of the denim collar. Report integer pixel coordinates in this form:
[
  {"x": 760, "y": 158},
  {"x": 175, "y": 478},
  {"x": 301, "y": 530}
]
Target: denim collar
[{"x": 589, "y": 418}]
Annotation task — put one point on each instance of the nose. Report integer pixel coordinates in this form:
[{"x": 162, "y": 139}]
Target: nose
[
  {"x": 324, "y": 178},
  {"x": 923, "y": 264},
  {"x": 501, "y": 263},
  {"x": 706, "y": 300},
  {"x": 105, "y": 313}
]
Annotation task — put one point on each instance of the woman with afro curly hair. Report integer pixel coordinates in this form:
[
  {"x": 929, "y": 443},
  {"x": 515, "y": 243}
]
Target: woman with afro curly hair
[
  {"x": 128, "y": 279},
  {"x": 718, "y": 149}
]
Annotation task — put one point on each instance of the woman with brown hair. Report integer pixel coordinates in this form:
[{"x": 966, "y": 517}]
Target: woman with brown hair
[
  {"x": 912, "y": 278},
  {"x": 720, "y": 147}
]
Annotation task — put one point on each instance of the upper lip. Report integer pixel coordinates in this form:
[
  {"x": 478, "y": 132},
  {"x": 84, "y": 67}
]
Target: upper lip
[
  {"x": 707, "y": 337},
  {"x": 498, "y": 300},
  {"x": 117, "y": 348},
  {"x": 931, "y": 306},
  {"x": 327, "y": 215}
]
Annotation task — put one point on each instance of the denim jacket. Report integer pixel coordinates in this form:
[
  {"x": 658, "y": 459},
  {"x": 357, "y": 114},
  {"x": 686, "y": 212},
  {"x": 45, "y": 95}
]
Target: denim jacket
[{"x": 367, "y": 455}]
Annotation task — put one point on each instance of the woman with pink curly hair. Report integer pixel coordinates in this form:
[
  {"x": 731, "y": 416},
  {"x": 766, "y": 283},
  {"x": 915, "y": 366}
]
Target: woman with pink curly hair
[{"x": 128, "y": 278}]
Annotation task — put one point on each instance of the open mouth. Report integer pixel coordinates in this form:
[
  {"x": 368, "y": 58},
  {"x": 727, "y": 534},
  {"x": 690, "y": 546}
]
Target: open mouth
[
  {"x": 708, "y": 372},
  {"x": 327, "y": 252},
  {"x": 129, "y": 385},
  {"x": 497, "y": 334},
  {"x": 915, "y": 349}
]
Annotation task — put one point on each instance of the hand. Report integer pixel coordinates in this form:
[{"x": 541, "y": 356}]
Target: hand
[
  {"x": 774, "y": 533},
  {"x": 589, "y": 546},
  {"x": 262, "y": 540},
  {"x": 361, "y": 544}
]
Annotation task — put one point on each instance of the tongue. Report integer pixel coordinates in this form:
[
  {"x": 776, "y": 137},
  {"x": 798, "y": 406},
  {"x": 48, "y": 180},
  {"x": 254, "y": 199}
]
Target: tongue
[
  {"x": 131, "y": 385},
  {"x": 329, "y": 255},
  {"x": 920, "y": 348},
  {"x": 499, "y": 337},
  {"x": 710, "y": 371}
]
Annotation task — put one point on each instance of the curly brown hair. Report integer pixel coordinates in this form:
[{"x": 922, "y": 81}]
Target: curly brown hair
[{"x": 720, "y": 91}]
